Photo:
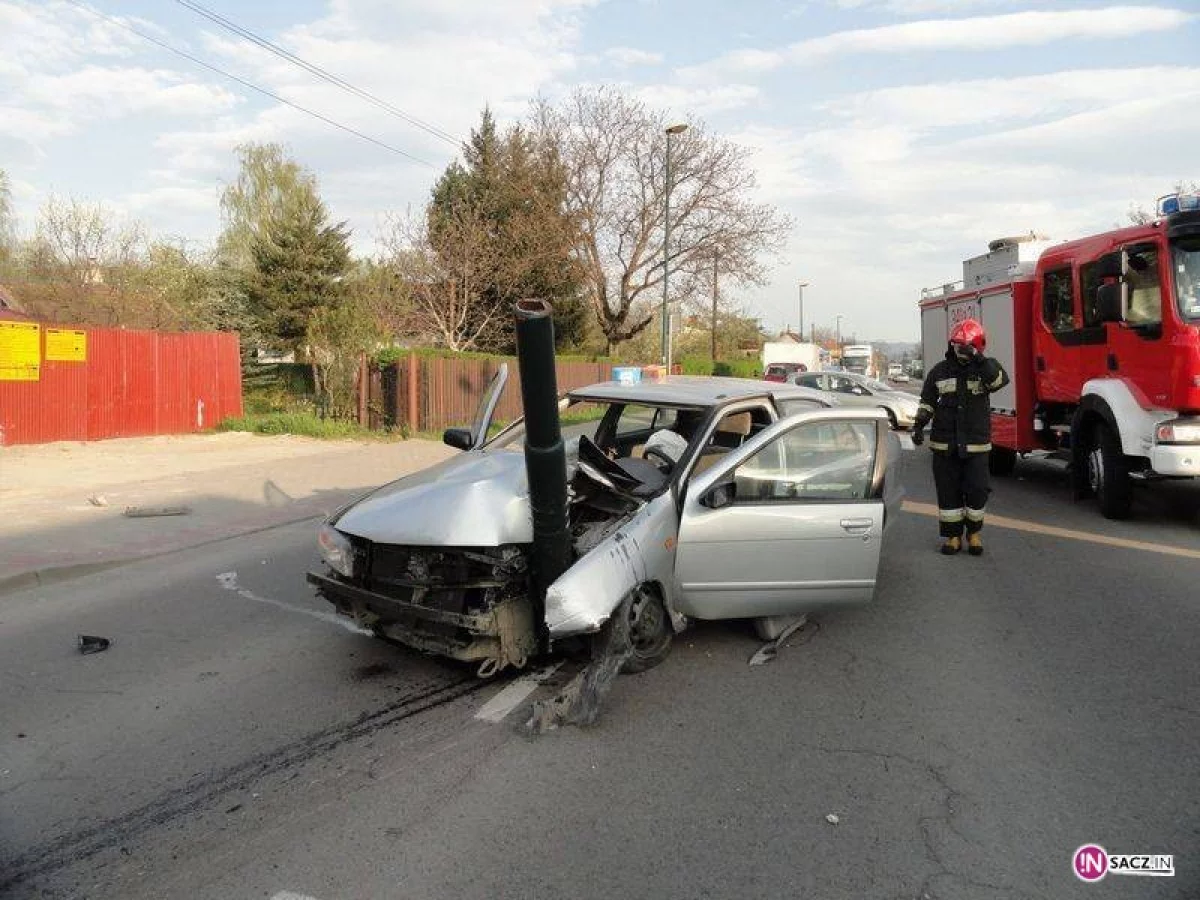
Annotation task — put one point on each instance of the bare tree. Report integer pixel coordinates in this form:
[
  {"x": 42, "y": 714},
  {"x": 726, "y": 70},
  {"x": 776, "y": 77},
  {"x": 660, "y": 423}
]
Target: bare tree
[
  {"x": 7, "y": 217},
  {"x": 446, "y": 286},
  {"x": 614, "y": 149}
]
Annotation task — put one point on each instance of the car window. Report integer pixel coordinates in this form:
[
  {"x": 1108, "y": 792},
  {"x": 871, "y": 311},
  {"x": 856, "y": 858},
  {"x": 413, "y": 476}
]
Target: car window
[
  {"x": 809, "y": 380},
  {"x": 814, "y": 461},
  {"x": 841, "y": 384},
  {"x": 775, "y": 370},
  {"x": 637, "y": 419},
  {"x": 799, "y": 405}
]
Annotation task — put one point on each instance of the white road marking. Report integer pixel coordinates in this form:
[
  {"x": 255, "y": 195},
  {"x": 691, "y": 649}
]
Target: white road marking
[
  {"x": 498, "y": 708},
  {"x": 288, "y": 895},
  {"x": 229, "y": 581},
  {"x": 906, "y": 442}
]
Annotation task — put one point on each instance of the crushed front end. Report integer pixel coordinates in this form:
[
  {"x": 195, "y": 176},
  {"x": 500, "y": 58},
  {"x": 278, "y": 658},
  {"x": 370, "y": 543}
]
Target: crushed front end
[{"x": 470, "y": 604}]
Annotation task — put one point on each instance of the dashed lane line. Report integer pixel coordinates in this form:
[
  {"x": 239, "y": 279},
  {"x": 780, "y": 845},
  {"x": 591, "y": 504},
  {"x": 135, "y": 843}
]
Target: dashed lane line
[
  {"x": 513, "y": 695},
  {"x": 229, "y": 581},
  {"x": 928, "y": 509}
]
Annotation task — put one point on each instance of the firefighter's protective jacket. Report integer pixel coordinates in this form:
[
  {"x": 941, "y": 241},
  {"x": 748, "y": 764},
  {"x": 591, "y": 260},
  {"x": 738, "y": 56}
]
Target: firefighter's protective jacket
[{"x": 955, "y": 397}]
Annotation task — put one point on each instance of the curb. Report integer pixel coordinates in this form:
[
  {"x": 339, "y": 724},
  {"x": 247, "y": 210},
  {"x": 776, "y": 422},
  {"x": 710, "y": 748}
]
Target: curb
[{"x": 34, "y": 578}]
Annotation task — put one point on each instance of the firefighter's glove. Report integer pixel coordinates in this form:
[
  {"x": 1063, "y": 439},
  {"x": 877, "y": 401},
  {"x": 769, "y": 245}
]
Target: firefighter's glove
[{"x": 918, "y": 437}]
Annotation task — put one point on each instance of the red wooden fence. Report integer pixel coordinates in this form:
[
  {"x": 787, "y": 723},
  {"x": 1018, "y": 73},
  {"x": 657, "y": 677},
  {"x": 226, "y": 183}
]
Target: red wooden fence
[
  {"x": 127, "y": 384},
  {"x": 429, "y": 393}
]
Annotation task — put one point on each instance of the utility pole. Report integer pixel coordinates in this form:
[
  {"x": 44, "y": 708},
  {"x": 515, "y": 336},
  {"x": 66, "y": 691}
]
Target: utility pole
[
  {"x": 800, "y": 330},
  {"x": 713, "y": 345}
]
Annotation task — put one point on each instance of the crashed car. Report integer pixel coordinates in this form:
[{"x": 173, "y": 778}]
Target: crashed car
[{"x": 664, "y": 501}]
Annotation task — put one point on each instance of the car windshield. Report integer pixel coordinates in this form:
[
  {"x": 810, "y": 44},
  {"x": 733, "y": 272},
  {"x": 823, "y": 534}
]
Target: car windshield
[
  {"x": 1185, "y": 258},
  {"x": 874, "y": 385}
]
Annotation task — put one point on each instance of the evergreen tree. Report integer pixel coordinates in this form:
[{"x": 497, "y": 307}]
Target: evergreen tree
[
  {"x": 299, "y": 263},
  {"x": 516, "y": 186}
]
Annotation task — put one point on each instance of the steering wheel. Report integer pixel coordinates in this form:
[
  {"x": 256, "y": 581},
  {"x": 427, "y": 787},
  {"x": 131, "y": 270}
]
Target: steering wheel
[{"x": 659, "y": 456}]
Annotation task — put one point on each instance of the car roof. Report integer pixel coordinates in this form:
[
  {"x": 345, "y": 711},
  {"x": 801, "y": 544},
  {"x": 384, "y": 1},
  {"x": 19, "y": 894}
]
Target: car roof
[{"x": 692, "y": 390}]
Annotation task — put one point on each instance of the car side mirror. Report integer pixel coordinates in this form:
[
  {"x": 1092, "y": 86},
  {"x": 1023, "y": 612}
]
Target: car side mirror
[
  {"x": 721, "y": 494},
  {"x": 459, "y": 438},
  {"x": 1110, "y": 302}
]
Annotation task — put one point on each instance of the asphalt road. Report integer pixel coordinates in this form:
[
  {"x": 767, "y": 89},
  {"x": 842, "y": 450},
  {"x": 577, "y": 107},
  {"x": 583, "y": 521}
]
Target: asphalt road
[{"x": 968, "y": 731}]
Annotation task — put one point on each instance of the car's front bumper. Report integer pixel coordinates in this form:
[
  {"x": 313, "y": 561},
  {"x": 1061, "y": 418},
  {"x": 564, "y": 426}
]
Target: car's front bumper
[{"x": 503, "y": 633}]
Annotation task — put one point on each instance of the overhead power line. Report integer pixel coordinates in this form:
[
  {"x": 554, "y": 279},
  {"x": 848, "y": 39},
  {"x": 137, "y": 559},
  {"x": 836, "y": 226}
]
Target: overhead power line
[
  {"x": 316, "y": 70},
  {"x": 254, "y": 87}
]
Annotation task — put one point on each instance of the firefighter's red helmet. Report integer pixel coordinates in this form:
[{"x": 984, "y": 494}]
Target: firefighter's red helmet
[{"x": 970, "y": 332}]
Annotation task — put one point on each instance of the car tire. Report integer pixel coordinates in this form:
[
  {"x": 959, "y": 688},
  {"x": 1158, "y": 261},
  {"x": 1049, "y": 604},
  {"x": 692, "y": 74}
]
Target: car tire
[
  {"x": 1108, "y": 474},
  {"x": 650, "y": 631},
  {"x": 1002, "y": 461}
]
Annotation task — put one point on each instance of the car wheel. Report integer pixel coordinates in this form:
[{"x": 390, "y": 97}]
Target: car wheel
[
  {"x": 1002, "y": 461},
  {"x": 650, "y": 632},
  {"x": 892, "y": 423},
  {"x": 1108, "y": 474}
]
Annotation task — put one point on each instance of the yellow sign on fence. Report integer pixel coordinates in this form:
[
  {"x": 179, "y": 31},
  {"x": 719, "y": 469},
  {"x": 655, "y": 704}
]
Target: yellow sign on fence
[
  {"x": 20, "y": 351},
  {"x": 66, "y": 345}
]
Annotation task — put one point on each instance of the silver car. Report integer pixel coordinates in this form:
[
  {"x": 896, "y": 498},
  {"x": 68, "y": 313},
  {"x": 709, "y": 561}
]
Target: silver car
[
  {"x": 858, "y": 390},
  {"x": 777, "y": 506}
]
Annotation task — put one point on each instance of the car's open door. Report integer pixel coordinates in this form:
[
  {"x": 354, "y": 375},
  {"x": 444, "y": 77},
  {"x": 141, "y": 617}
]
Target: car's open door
[{"x": 790, "y": 521}]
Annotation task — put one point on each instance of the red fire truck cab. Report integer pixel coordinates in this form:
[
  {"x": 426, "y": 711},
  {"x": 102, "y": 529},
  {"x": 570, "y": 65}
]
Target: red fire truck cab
[{"x": 1101, "y": 337}]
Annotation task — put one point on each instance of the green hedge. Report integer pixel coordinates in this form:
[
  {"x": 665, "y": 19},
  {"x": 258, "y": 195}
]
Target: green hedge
[
  {"x": 738, "y": 368},
  {"x": 303, "y": 424}
]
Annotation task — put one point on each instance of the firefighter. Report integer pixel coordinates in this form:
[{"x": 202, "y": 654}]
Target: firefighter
[{"x": 955, "y": 397}]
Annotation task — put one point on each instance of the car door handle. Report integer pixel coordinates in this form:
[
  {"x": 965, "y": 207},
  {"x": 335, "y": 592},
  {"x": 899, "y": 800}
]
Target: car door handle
[{"x": 854, "y": 526}]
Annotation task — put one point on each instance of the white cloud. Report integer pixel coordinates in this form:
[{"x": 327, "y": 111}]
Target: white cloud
[
  {"x": 631, "y": 56},
  {"x": 997, "y": 100},
  {"x": 1021, "y": 29},
  {"x": 922, "y": 7}
]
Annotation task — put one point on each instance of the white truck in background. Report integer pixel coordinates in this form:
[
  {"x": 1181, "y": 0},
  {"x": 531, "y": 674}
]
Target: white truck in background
[{"x": 787, "y": 357}]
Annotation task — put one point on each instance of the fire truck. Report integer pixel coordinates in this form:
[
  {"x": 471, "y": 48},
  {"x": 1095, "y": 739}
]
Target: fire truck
[{"x": 1101, "y": 338}]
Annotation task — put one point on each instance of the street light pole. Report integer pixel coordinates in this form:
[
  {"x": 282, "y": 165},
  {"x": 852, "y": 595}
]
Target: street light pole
[
  {"x": 839, "y": 339},
  {"x": 666, "y": 310},
  {"x": 800, "y": 330}
]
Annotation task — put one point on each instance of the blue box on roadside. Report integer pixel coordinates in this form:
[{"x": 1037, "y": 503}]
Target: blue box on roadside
[{"x": 627, "y": 374}]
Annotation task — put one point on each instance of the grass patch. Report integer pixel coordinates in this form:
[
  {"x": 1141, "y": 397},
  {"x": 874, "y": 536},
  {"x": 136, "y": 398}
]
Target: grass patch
[{"x": 304, "y": 425}]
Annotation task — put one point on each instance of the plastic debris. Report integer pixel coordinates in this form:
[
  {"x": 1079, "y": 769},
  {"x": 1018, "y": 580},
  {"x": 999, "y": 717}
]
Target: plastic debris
[
  {"x": 832, "y": 819},
  {"x": 769, "y": 650},
  {"x": 90, "y": 643},
  {"x": 145, "y": 512},
  {"x": 98, "y": 500}
]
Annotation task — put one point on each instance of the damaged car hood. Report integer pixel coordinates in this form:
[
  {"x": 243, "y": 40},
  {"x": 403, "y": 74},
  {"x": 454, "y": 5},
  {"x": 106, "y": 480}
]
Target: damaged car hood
[{"x": 471, "y": 500}]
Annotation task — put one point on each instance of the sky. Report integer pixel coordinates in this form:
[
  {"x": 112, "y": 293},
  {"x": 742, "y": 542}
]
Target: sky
[{"x": 900, "y": 136}]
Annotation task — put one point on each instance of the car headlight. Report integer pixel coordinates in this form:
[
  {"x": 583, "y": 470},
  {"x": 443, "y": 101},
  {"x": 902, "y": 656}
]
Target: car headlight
[
  {"x": 336, "y": 550},
  {"x": 1178, "y": 432}
]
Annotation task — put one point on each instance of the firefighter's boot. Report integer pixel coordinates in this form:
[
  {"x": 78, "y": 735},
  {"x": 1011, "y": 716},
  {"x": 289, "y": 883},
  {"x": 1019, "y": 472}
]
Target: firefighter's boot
[
  {"x": 952, "y": 546},
  {"x": 975, "y": 544}
]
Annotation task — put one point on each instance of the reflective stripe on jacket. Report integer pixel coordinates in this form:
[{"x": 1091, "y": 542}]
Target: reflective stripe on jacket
[{"x": 956, "y": 397}]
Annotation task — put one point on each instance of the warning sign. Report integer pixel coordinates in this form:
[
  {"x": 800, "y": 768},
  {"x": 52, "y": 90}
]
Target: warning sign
[
  {"x": 20, "y": 351},
  {"x": 66, "y": 345}
]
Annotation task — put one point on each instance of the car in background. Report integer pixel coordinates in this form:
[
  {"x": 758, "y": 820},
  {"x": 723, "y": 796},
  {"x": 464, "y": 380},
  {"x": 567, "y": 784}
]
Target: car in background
[
  {"x": 783, "y": 372},
  {"x": 776, "y": 506},
  {"x": 858, "y": 390},
  {"x": 896, "y": 374}
]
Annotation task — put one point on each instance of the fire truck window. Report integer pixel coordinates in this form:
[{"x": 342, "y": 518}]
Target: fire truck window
[
  {"x": 1145, "y": 292},
  {"x": 1089, "y": 284},
  {"x": 1058, "y": 301}
]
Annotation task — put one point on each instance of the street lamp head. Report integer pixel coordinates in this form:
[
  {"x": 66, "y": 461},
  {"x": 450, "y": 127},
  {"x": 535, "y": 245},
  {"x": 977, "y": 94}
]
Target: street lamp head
[
  {"x": 677, "y": 129},
  {"x": 804, "y": 284}
]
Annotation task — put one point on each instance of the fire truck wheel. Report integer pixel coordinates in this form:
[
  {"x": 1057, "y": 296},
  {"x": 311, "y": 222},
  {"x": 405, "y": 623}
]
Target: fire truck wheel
[
  {"x": 1108, "y": 474},
  {"x": 1002, "y": 461}
]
